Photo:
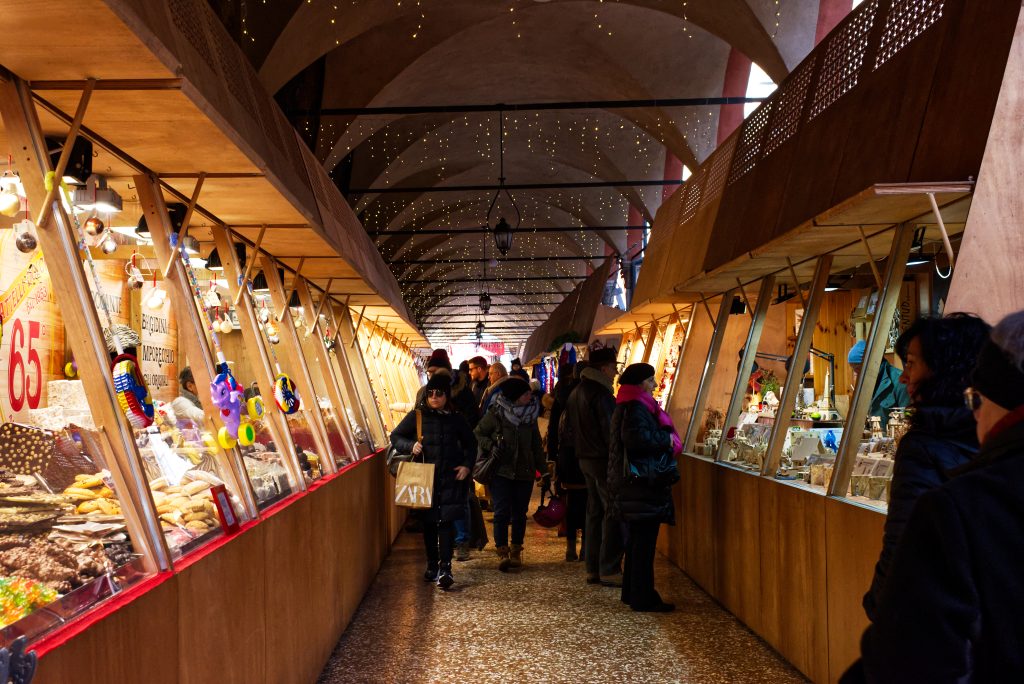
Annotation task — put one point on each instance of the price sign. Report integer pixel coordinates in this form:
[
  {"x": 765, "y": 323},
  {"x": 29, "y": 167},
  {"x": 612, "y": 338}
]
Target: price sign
[{"x": 24, "y": 368}]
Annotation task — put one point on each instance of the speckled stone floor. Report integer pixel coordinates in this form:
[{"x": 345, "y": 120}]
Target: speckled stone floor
[{"x": 543, "y": 624}]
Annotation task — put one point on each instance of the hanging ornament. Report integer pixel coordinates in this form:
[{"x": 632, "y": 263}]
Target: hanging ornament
[
  {"x": 135, "y": 278},
  {"x": 254, "y": 406},
  {"x": 93, "y": 226},
  {"x": 132, "y": 394},
  {"x": 227, "y": 394},
  {"x": 157, "y": 297},
  {"x": 264, "y": 315},
  {"x": 284, "y": 394},
  {"x": 109, "y": 245},
  {"x": 26, "y": 240},
  {"x": 71, "y": 370},
  {"x": 272, "y": 333}
]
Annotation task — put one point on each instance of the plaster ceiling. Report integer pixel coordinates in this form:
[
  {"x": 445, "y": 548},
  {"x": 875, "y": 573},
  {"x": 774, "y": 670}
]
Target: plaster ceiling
[{"x": 378, "y": 53}]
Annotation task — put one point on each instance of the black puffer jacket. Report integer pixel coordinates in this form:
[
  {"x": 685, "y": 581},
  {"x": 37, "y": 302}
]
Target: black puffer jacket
[
  {"x": 590, "y": 409},
  {"x": 522, "y": 455},
  {"x": 640, "y": 444},
  {"x": 447, "y": 443},
  {"x": 940, "y": 440},
  {"x": 952, "y": 605},
  {"x": 563, "y": 388}
]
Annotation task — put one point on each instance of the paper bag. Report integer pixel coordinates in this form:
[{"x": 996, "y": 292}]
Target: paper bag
[{"x": 414, "y": 485}]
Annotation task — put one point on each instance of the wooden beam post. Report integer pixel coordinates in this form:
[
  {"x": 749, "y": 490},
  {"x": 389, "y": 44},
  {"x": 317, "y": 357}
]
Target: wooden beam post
[
  {"x": 704, "y": 388},
  {"x": 58, "y": 241},
  {"x": 877, "y": 340},
  {"x": 193, "y": 328},
  {"x": 291, "y": 346},
  {"x": 355, "y": 379},
  {"x": 257, "y": 347},
  {"x": 747, "y": 361}
]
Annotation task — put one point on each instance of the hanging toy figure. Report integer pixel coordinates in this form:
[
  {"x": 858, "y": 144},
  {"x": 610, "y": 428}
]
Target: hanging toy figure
[
  {"x": 227, "y": 397},
  {"x": 132, "y": 394},
  {"x": 284, "y": 394}
]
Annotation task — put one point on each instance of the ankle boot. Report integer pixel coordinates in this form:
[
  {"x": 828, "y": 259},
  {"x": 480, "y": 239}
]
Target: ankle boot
[
  {"x": 516, "y": 556},
  {"x": 430, "y": 574},
  {"x": 504, "y": 562},
  {"x": 444, "y": 576},
  {"x": 570, "y": 548}
]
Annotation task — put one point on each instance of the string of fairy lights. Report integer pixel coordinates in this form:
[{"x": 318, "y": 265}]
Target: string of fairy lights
[{"x": 541, "y": 146}]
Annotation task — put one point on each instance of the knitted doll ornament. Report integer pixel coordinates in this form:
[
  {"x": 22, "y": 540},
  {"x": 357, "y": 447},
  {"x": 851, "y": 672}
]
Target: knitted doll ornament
[
  {"x": 132, "y": 394},
  {"x": 284, "y": 394}
]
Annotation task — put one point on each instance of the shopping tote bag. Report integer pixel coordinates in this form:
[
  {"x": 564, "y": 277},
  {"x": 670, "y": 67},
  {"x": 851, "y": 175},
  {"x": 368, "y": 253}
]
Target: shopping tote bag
[{"x": 414, "y": 486}]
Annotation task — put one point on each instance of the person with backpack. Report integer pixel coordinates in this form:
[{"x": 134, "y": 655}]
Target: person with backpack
[
  {"x": 510, "y": 428},
  {"x": 435, "y": 432}
]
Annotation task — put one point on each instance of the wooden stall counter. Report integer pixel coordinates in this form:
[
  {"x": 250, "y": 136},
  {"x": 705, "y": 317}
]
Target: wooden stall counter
[{"x": 266, "y": 604}]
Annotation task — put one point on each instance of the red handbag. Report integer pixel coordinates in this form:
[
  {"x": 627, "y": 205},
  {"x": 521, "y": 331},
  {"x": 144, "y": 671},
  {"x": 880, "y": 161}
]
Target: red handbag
[{"x": 552, "y": 514}]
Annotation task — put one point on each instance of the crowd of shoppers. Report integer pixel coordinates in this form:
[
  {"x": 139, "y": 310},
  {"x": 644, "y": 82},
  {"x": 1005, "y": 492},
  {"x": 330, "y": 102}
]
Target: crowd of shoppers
[{"x": 946, "y": 594}]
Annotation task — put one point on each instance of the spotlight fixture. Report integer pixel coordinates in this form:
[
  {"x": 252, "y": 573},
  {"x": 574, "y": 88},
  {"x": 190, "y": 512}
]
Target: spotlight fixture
[
  {"x": 190, "y": 245},
  {"x": 503, "y": 232},
  {"x": 737, "y": 307},
  {"x": 783, "y": 294},
  {"x": 213, "y": 261},
  {"x": 917, "y": 256},
  {"x": 293, "y": 301},
  {"x": 834, "y": 284},
  {"x": 96, "y": 196},
  {"x": 79, "y": 166},
  {"x": 142, "y": 230}
]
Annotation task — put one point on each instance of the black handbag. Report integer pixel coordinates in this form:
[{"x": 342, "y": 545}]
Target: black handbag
[
  {"x": 487, "y": 463},
  {"x": 394, "y": 457}
]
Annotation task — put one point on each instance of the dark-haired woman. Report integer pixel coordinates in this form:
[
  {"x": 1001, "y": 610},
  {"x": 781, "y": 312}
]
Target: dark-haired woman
[
  {"x": 938, "y": 357},
  {"x": 448, "y": 443}
]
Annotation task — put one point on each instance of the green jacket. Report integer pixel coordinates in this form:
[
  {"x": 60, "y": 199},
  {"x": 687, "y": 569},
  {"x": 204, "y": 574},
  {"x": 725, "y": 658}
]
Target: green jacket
[
  {"x": 889, "y": 392},
  {"x": 522, "y": 455}
]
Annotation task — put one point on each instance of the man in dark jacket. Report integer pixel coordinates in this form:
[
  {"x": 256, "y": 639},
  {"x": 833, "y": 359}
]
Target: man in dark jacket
[
  {"x": 563, "y": 388},
  {"x": 478, "y": 377},
  {"x": 951, "y": 607},
  {"x": 589, "y": 411},
  {"x": 518, "y": 370}
]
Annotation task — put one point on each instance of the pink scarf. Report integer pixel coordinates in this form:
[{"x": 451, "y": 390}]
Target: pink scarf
[{"x": 629, "y": 393}]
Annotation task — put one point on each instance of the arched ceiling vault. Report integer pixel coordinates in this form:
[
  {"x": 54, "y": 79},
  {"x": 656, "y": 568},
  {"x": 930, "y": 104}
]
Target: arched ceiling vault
[{"x": 317, "y": 55}]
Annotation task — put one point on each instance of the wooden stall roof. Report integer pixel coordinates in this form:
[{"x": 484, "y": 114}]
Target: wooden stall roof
[
  {"x": 574, "y": 314},
  {"x": 176, "y": 97},
  {"x": 876, "y": 210},
  {"x": 644, "y": 313}
]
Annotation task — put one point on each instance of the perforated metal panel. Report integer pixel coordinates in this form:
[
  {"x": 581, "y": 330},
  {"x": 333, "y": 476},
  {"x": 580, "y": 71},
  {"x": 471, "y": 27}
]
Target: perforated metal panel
[
  {"x": 907, "y": 20},
  {"x": 748, "y": 150},
  {"x": 844, "y": 59},
  {"x": 186, "y": 18},
  {"x": 721, "y": 160},
  {"x": 789, "y": 104},
  {"x": 693, "y": 192}
]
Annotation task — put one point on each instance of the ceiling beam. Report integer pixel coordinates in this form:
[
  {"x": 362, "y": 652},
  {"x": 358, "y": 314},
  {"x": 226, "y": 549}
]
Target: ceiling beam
[
  {"x": 455, "y": 232},
  {"x": 407, "y": 262},
  {"x": 527, "y": 107},
  {"x": 442, "y": 281},
  {"x": 516, "y": 186}
]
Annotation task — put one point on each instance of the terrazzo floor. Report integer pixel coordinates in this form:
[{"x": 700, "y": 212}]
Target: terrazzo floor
[{"x": 541, "y": 624}]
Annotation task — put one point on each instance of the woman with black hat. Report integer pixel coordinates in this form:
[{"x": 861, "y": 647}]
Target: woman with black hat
[
  {"x": 511, "y": 423},
  {"x": 641, "y": 472},
  {"x": 448, "y": 443}
]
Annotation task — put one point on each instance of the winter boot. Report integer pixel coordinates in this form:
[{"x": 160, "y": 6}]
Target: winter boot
[
  {"x": 444, "y": 576},
  {"x": 516, "y": 556},
  {"x": 570, "y": 547},
  {"x": 504, "y": 562},
  {"x": 430, "y": 575}
]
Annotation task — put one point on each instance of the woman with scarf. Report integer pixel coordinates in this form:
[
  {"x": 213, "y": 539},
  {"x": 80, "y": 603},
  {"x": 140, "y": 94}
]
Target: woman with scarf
[
  {"x": 641, "y": 471},
  {"x": 446, "y": 441},
  {"x": 511, "y": 425}
]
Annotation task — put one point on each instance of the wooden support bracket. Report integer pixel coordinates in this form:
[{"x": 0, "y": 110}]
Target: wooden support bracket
[
  {"x": 746, "y": 300},
  {"x": 871, "y": 257},
  {"x": 249, "y": 266},
  {"x": 65, "y": 154},
  {"x": 796, "y": 283},
  {"x": 184, "y": 224}
]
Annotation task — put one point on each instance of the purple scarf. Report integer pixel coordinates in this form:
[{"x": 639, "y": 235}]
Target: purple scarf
[{"x": 629, "y": 393}]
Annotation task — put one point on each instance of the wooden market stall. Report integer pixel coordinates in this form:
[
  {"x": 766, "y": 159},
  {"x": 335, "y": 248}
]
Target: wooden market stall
[
  {"x": 791, "y": 241},
  {"x": 206, "y": 236}
]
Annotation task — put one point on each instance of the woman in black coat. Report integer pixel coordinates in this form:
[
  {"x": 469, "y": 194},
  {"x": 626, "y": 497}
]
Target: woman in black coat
[
  {"x": 938, "y": 355},
  {"x": 448, "y": 443},
  {"x": 641, "y": 472}
]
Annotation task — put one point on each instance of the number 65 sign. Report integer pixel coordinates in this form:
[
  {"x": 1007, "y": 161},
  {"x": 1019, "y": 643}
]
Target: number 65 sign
[{"x": 24, "y": 367}]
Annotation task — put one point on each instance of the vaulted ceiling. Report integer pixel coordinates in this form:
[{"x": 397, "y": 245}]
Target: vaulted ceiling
[{"x": 318, "y": 56}]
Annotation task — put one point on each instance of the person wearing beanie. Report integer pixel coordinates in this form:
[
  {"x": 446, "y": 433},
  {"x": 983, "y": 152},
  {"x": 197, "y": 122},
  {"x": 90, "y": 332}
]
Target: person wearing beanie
[
  {"x": 889, "y": 393},
  {"x": 438, "y": 359},
  {"x": 938, "y": 355},
  {"x": 589, "y": 413},
  {"x": 510, "y": 427},
  {"x": 447, "y": 441},
  {"x": 641, "y": 471},
  {"x": 519, "y": 371},
  {"x": 951, "y": 605}
]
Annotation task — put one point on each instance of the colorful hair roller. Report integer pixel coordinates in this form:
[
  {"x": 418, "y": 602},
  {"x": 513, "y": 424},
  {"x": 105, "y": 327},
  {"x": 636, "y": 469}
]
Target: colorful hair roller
[
  {"x": 132, "y": 393},
  {"x": 284, "y": 394}
]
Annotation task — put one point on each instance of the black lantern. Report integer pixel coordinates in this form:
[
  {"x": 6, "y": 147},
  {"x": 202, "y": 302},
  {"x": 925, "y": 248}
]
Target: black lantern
[
  {"x": 502, "y": 229},
  {"x": 480, "y": 330},
  {"x": 485, "y": 302}
]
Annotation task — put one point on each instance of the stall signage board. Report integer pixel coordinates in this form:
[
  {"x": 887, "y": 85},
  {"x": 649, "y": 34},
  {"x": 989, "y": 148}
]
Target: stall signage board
[
  {"x": 31, "y": 332},
  {"x": 158, "y": 356}
]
